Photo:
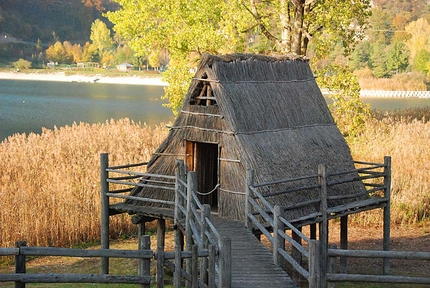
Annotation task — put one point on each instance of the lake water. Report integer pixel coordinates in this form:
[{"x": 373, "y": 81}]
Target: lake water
[{"x": 27, "y": 106}]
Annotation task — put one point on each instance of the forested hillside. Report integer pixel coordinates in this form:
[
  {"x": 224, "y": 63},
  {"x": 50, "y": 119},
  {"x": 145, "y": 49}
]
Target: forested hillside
[{"x": 29, "y": 20}]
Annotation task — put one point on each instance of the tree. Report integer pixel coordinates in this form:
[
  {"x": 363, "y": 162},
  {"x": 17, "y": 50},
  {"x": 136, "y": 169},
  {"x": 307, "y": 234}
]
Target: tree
[
  {"x": 56, "y": 53},
  {"x": 397, "y": 57},
  {"x": 421, "y": 61},
  {"x": 22, "y": 64},
  {"x": 287, "y": 27},
  {"x": 419, "y": 32},
  {"x": 100, "y": 35}
]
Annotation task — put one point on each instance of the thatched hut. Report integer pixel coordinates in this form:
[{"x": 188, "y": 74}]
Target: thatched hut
[{"x": 252, "y": 112}]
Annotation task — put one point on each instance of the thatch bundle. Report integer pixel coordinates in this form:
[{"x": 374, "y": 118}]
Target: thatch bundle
[{"x": 269, "y": 116}]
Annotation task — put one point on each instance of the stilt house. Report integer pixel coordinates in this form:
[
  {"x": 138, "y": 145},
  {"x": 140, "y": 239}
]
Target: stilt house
[{"x": 252, "y": 112}]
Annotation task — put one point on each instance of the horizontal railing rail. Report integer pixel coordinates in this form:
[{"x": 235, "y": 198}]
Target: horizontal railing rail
[{"x": 405, "y": 255}]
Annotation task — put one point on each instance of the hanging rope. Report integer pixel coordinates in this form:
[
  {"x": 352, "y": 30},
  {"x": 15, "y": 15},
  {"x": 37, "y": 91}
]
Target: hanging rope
[{"x": 208, "y": 193}]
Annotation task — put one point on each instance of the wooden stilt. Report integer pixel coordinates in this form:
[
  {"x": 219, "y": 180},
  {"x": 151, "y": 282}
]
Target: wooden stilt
[{"x": 344, "y": 242}]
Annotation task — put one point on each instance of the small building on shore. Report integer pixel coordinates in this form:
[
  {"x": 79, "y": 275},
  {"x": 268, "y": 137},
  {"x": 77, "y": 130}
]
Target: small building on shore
[{"x": 124, "y": 67}]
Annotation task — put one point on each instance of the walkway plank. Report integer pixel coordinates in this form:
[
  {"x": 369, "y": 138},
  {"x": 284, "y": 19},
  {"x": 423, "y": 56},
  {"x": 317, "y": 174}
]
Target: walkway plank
[{"x": 252, "y": 263}]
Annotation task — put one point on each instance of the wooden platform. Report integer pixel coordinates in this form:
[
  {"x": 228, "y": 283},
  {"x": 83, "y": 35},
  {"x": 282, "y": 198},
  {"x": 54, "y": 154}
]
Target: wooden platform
[{"x": 252, "y": 263}]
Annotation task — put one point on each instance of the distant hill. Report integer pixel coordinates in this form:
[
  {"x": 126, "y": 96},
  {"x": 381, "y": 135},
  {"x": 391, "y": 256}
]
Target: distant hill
[{"x": 29, "y": 20}]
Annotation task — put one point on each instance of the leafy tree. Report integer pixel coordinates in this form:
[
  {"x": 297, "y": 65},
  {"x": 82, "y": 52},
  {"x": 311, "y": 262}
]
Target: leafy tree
[
  {"x": 187, "y": 28},
  {"x": 397, "y": 57},
  {"x": 380, "y": 31},
  {"x": 100, "y": 35},
  {"x": 56, "y": 53},
  {"x": 419, "y": 32},
  {"x": 22, "y": 64},
  {"x": 421, "y": 61},
  {"x": 378, "y": 60},
  {"x": 347, "y": 108},
  {"x": 360, "y": 57}
]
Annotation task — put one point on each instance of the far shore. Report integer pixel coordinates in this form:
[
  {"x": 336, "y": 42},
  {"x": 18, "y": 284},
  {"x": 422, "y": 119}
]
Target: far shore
[{"x": 62, "y": 77}]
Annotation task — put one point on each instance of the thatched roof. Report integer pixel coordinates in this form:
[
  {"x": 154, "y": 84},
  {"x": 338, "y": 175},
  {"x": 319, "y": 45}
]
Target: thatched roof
[{"x": 269, "y": 116}]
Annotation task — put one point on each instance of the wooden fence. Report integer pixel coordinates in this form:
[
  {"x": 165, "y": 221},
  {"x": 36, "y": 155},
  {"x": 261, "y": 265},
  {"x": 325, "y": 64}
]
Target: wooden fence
[{"x": 144, "y": 256}]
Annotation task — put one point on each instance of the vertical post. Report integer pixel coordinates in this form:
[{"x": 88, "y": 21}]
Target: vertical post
[
  {"x": 211, "y": 266},
  {"x": 195, "y": 265},
  {"x": 332, "y": 266},
  {"x": 225, "y": 263},
  {"x": 192, "y": 187},
  {"x": 161, "y": 233},
  {"x": 144, "y": 265},
  {"x": 177, "y": 278},
  {"x": 206, "y": 213},
  {"x": 344, "y": 242},
  {"x": 296, "y": 254},
  {"x": 248, "y": 207},
  {"x": 322, "y": 179},
  {"x": 179, "y": 200},
  {"x": 387, "y": 217},
  {"x": 314, "y": 264},
  {"x": 104, "y": 231},
  {"x": 279, "y": 241},
  {"x": 20, "y": 263}
]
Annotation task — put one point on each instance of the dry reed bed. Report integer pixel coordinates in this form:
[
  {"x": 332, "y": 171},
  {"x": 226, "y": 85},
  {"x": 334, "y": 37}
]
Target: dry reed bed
[
  {"x": 49, "y": 183},
  {"x": 407, "y": 142}
]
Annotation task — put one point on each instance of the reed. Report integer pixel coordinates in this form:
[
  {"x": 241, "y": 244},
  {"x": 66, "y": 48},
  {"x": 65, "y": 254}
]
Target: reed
[
  {"x": 50, "y": 186},
  {"x": 400, "y": 82},
  {"x": 406, "y": 140}
]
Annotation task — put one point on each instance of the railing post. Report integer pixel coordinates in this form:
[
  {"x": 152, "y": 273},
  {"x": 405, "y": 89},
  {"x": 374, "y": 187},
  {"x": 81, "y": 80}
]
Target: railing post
[
  {"x": 332, "y": 269},
  {"x": 314, "y": 264},
  {"x": 192, "y": 187},
  {"x": 387, "y": 217},
  {"x": 195, "y": 265},
  {"x": 104, "y": 231},
  {"x": 206, "y": 213},
  {"x": 322, "y": 179},
  {"x": 179, "y": 201},
  {"x": 144, "y": 265},
  {"x": 248, "y": 207},
  {"x": 161, "y": 234},
  {"x": 20, "y": 263},
  {"x": 177, "y": 278},
  {"x": 279, "y": 241},
  {"x": 225, "y": 263},
  {"x": 211, "y": 266}
]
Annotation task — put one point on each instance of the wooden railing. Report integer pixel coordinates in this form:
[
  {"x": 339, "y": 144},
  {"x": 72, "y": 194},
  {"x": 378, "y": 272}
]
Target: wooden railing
[
  {"x": 265, "y": 218},
  {"x": 195, "y": 220},
  {"x": 191, "y": 219}
]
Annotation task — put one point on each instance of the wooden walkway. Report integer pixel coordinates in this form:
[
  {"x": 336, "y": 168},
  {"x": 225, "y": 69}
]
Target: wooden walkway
[{"x": 252, "y": 263}]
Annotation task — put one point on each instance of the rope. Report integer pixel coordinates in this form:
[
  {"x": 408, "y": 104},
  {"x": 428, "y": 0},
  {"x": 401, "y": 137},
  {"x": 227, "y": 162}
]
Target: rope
[
  {"x": 232, "y": 192},
  {"x": 208, "y": 193}
]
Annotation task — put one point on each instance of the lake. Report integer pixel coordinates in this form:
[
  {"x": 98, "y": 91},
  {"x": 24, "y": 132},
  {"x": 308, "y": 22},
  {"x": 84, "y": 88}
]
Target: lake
[{"x": 27, "y": 106}]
